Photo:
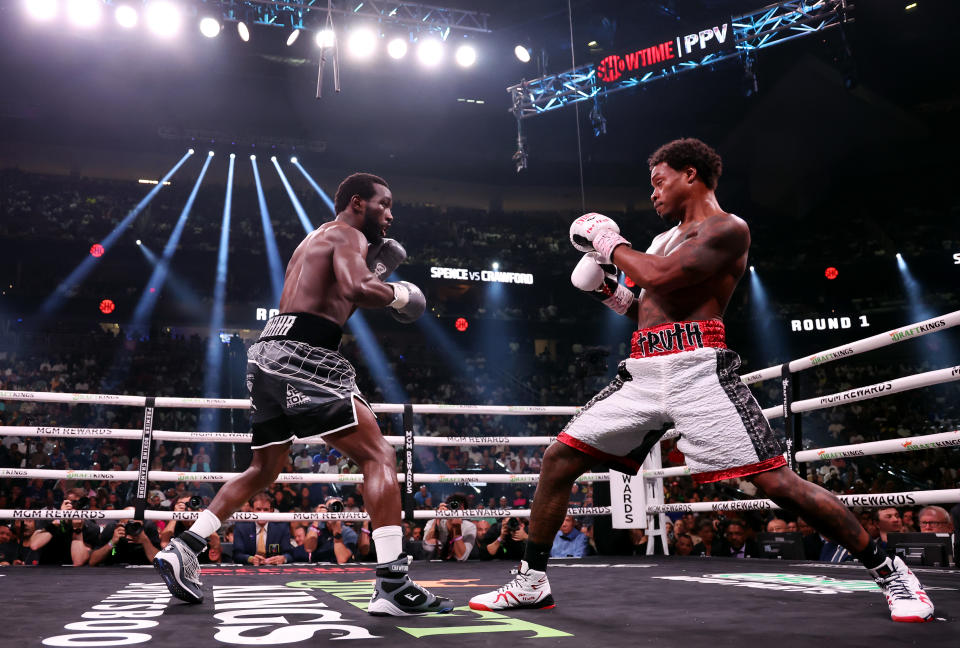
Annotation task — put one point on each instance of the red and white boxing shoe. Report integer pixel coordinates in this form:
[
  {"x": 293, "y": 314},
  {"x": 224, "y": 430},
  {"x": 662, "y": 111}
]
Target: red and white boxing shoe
[
  {"x": 905, "y": 596},
  {"x": 529, "y": 590}
]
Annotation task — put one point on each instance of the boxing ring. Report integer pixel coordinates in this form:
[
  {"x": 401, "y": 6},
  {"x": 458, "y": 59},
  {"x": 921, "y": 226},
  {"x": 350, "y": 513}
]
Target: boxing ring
[{"x": 722, "y": 601}]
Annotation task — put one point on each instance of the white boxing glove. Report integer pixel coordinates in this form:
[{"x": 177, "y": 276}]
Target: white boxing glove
[
  {"x": 601, "y": 280},
  {"x": 596, "y": 232}
]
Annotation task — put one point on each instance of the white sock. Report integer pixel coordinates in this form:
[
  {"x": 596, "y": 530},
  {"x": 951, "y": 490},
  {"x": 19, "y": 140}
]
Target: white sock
[
  {"x": 206, "y": 525},
  {"x": 388, "y": 541}
]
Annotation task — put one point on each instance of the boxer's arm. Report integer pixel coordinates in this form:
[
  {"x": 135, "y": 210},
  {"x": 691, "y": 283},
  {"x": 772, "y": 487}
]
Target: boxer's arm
[
  {"x": 720, "y": 241},
  {"x": 361, "y": 286}
]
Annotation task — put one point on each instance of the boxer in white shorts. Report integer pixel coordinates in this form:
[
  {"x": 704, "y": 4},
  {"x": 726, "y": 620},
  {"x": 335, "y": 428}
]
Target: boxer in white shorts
[{"x": 681, "y": 373}]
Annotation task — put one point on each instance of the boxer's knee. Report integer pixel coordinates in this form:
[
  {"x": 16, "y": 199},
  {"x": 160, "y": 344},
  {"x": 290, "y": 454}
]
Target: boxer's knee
[{"x": 563, "y": 463}]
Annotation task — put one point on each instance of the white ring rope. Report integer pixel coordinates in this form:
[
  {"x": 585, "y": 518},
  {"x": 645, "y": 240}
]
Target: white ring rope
[
  {"x": 887, "y": 446},
  {"x": 169, "y": 476},
  {"x": 243, "y": 516},
  {"x": 878, "y": 341},
  {"x": 878, "y": 500}
]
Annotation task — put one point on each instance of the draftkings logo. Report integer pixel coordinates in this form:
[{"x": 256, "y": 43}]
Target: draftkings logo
[{"x": 801, "y": 583}]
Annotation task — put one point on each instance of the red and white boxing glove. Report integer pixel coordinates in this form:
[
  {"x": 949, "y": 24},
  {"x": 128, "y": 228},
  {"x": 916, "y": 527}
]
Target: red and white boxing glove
[
  {"x": 601, "y": 280},
  {"x": 596, "y": 232}
]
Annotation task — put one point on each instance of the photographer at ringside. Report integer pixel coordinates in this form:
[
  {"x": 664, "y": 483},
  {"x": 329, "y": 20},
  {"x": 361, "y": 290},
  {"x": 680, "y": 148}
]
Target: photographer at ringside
[
  {"x": 506, "y": 539},
  {"x": 67, "y": 541},
  {"x": 127, "y": 542},
  {"x": 173, "y": 529},
  {"x": 450, "y": 538},
  {"x": 331, "y": 541}
]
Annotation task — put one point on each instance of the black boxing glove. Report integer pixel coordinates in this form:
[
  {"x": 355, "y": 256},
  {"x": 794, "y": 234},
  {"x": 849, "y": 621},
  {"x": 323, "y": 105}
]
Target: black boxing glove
[
  {"x": 601, "y": 280},
  {"x": 408, "y": 302},
  {"x": 385, "y": 257}
]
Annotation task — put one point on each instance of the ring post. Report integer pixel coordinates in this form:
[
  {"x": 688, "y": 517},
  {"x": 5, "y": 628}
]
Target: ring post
[
  {"x": 408, "y": 462},
  {"x": 140, "y": 503},
  {"x": 787, "y": 387}
]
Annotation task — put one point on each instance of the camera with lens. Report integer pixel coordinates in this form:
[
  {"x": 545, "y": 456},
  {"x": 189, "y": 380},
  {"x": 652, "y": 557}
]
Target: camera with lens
[
  {"x": 334, "y": 505},
  {"x": 195, "y": 503},
  {"x": 82, "y": 504},
  {"x": 513, "y": 524},
  {"x": 456, "y": 502},
  {"x": 132, "y": 528}
]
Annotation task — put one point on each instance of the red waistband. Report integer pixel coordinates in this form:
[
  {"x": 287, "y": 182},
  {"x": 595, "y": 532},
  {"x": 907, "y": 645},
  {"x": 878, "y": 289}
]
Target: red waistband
[{"x": 675, "y": 337}]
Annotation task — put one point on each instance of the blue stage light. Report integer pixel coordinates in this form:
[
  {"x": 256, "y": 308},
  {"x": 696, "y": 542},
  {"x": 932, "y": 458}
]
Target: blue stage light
[
  {"x": 301, "y": 212},
  {"x": 273, "y": 255}
]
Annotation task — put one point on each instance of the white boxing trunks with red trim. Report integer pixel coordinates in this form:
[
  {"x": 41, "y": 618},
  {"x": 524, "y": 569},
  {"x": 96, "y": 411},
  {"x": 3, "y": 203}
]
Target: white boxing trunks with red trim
[{"x": 681, "y": 373}]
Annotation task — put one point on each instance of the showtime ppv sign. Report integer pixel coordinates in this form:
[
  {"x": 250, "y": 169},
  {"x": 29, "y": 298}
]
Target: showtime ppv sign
[{"x": 615, "y": 67}]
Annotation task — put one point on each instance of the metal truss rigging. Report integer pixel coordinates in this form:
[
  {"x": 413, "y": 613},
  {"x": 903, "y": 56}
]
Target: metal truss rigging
[{"x": 771, "y": 25}]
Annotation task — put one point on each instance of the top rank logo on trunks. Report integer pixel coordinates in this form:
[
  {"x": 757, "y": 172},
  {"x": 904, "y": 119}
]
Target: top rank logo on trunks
[
  {"x": 278, "y": 326},
  {"x": 679, "y": 337}
]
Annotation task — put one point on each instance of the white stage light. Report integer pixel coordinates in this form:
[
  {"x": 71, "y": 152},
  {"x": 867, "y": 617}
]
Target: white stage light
[
  {"x": 163, "y": 18},
  {"x": 293, "y": 160},
  {"x": 495, "y": 266},
  {"x": 244, "y": 31},
  {"x": 522, "y": 53},
  {"x": 209, "y": 153},
  {"x": 397, "y": 48},
  {"x": 127, "y": 17},
  {"x": 430, "y": 52},
  {"x": 190, "y": 151},
  {"x": 273, "y": 158},
  {"x": 292, "y": 38},
  {"x": 466, "y": 56},
  {"x": 41, "y": 9},
  {"x": 325, "y": 38},
  {"x": 84, "y": 13},
  {"x": 233, "y": 155},
  {"x": 253, "y": 157},
  {"x": 362, "y": 43},
  {"x": 139, "y": 242},
  {"x": 210, "y": 27}
]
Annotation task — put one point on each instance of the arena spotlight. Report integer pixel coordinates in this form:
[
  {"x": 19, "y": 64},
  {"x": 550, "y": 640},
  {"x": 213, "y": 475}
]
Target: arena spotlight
[
  {"x": 253, "y": 157},
  {"x": 139, "y": 242},
  {"x": 430, "y": 52},
  {"x": 41, "y": 9},
  {"x": 362, "y": 43},
  {"x": 466, "y": 56},
  {"x": 397, "y": 48},
  {"x": 522, "y": 53},
  {"x": 292, "y": 38},
  {"x": 325, "y": 38},
  {"x": 189, "y": 151},
  {"x": 752, "y": 269},
  {"x": 126, "y": 16},
  {"x": 163, "y": 18},
  {"x": 84, "y": 13},
  {"x": 209, "y": 153},
  {"x": 273, "y": 158},
  {"x": 233, "y": 155},
  {"x": 244, "y": 31},
  {"x": 210, "y": 27},
  {"x": 495, "y": 266},
  {"x": 293, "y": 160}
]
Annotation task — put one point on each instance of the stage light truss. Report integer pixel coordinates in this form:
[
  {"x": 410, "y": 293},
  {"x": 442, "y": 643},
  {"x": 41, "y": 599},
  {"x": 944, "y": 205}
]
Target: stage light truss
[
  {"x": 307, "y": 14},
  {"x": 765, "y": 27}
]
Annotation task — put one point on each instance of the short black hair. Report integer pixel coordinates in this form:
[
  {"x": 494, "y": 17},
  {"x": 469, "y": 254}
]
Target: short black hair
[
  {"x": 356, "y": 184},
  {"x": 689, "y": 151}
]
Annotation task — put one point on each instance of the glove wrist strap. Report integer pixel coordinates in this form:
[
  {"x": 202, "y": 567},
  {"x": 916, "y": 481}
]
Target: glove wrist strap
[
  {"x": 606, "y": 242},
  {"x": 620, "y": 301},
  {"x": 400, "y": 296}
]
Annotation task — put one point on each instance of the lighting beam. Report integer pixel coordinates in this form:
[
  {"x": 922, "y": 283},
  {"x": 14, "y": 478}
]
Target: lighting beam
[
  {"x": 212, "y": 375},
  {"x": 148, "y": 300},
  {"x": 301, "y": 212},
  {"x": 316, "y": 187},
  {"x": 273, "y": 255},
  {"x": 83, "y": 270}
]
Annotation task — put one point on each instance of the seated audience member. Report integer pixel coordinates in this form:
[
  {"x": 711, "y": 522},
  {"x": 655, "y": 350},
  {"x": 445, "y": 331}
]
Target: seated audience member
[
  {"x": 331, "y": 541},
  {"x": 11, "y": 553},
  {"x": 736, "y": 544},
  {"x": 262, "y": 543},
  {"x": 777, "y": 525},
  {"x": 934, "y": 519},
  {"x": 683, "y": 545},
  {"x": 450, "y": 538},
  {"x": 569, "y": 542},
  {"x": 708, "y": 545},
  {"x": 127, "y": 542},
  {"x": 507, "y": 540},
  {"x": 67, "y": 541},
  {"x": 812, "y": 542}
]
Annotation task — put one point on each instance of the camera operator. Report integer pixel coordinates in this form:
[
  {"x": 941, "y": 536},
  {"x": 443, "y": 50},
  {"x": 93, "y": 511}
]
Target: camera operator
[
  {"x": 330, "y": 541},
  {"x": 506, "y": 539},
  {"x": 127, "y": 542},
  {"x": 174, "y": 528},
  {"x": 450, "y": 538},
  {"x": 71, "y": 541}
]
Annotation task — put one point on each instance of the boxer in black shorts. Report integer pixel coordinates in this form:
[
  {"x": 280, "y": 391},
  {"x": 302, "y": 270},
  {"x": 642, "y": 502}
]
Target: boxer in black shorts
[{"x": 301, "y": 386}]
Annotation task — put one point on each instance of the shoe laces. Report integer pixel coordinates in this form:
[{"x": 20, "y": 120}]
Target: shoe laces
[
  {"x": 896, "y": 586},
  {"x": 518, "y": 581},
  {"x": 191, "y": 566}
]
